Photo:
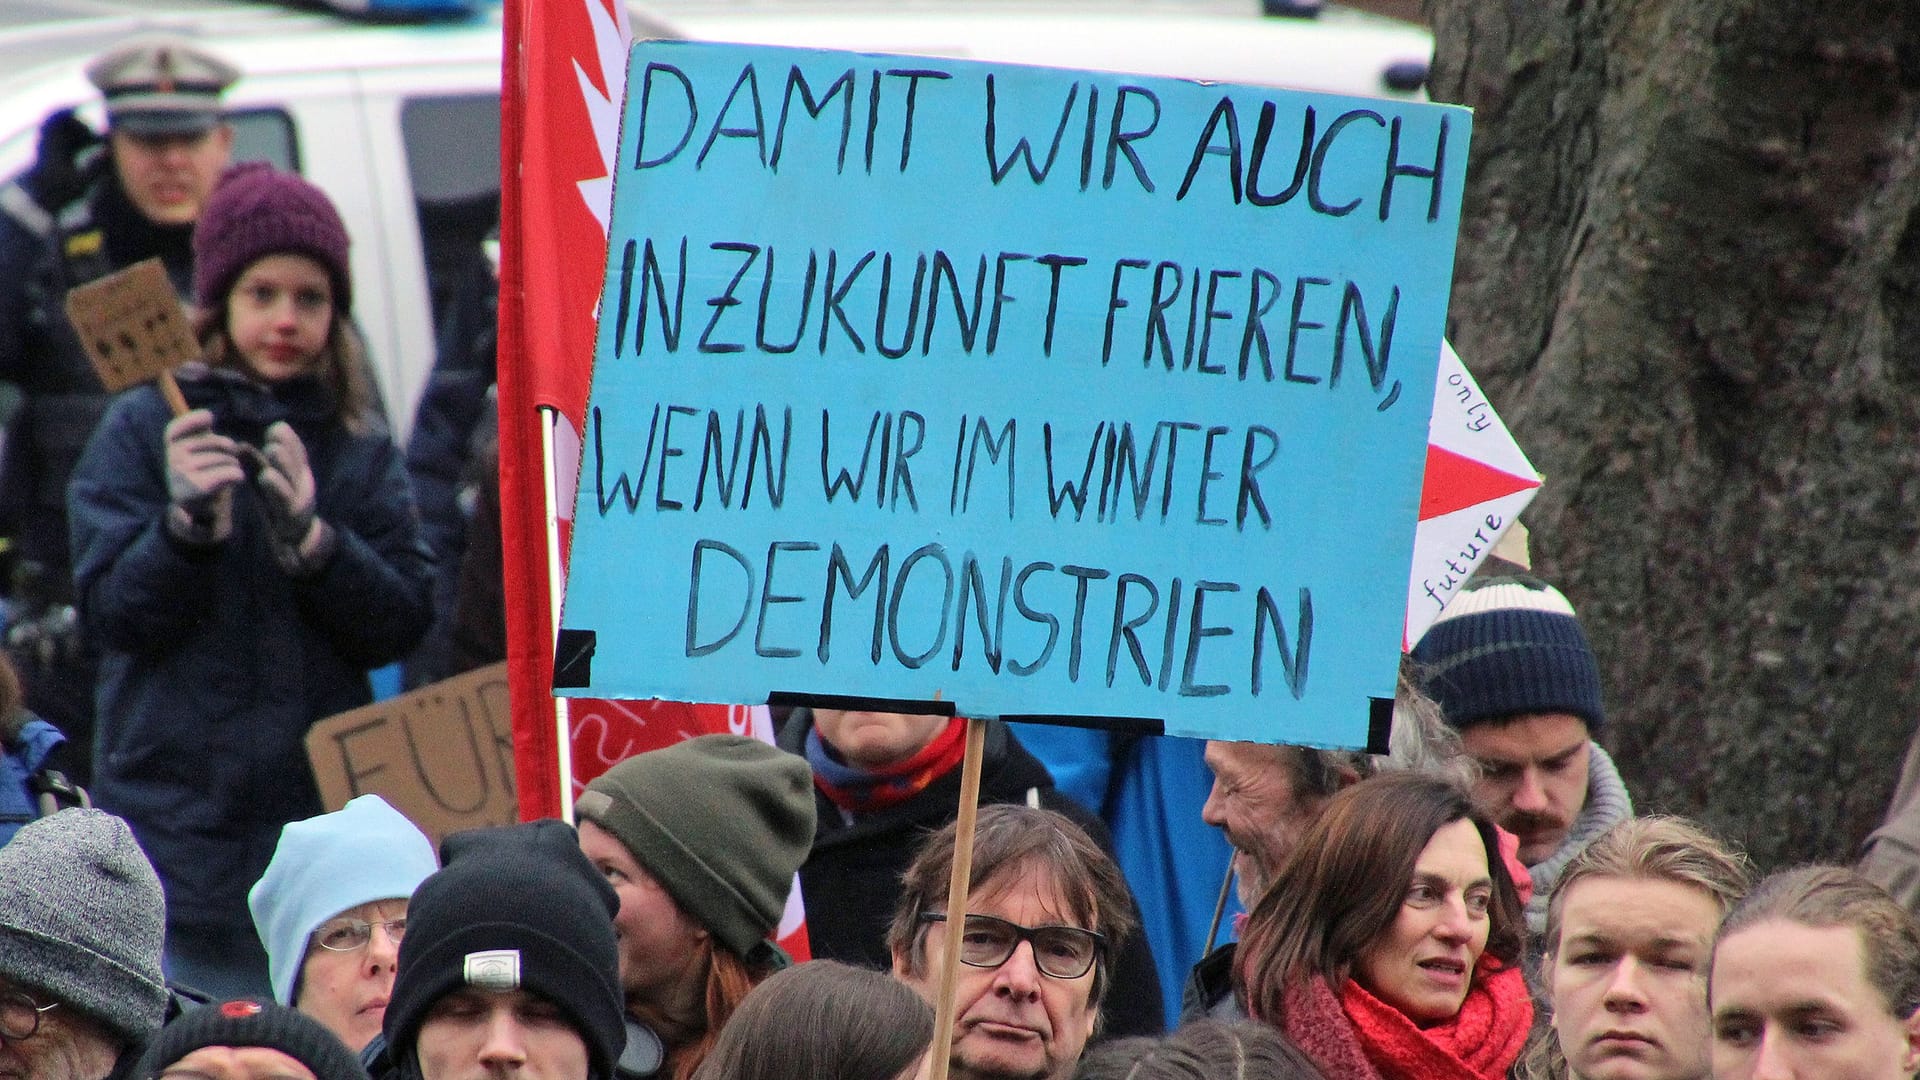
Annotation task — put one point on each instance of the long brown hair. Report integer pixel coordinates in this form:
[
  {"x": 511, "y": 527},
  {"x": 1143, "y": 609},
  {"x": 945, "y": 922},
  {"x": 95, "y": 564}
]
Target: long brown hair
[
  {"x": 725, "y": 985},
  {"x": 1346, "y": 882},
  {"x": 13, "y": 700}
]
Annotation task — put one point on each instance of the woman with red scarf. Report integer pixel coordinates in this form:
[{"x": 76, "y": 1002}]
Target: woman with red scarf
[{"x": 1388, "y": 948}]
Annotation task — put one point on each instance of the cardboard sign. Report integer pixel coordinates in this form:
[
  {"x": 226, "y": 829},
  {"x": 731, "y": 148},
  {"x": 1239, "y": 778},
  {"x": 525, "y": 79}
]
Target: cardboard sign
[
  {"x": 442, "y": 754},
  {"x": 1477, "y": 482},
  {"x": 1035, "y": 391},
  {"x": 132, "y": 325}
]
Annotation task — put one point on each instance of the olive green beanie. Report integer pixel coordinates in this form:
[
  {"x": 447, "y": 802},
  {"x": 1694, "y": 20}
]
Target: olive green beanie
[{"x": 723, "y": 822}]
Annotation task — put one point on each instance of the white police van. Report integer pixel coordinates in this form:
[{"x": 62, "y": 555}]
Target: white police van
[{"x": 395, "y": 110}]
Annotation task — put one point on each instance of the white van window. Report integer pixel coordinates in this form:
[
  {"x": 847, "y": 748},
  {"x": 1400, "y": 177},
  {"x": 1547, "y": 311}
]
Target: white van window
[{"x": 264, "y": 135}]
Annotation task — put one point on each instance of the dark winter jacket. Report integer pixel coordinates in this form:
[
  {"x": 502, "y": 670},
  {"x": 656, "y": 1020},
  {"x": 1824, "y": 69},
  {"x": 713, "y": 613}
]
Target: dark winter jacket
[
  {"x": 62, "y": 399},
  {"x": 1208, "y": 994},
  {"x": 455, "y": 431},
  {"x": 215, "y": 662},
  {"x": 851, "y": 879}
]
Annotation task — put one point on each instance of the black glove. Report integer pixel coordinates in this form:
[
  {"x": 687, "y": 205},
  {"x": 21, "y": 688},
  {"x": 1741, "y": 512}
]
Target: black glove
[
  {"x": 301, "y": 541},
  {"x": 64, "y": 167}
]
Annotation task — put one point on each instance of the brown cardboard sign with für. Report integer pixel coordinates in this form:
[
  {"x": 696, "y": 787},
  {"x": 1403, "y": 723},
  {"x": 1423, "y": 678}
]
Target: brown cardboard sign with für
[
  {"x": 442, "y": 754},
  {"x": 134, "y": 329}
]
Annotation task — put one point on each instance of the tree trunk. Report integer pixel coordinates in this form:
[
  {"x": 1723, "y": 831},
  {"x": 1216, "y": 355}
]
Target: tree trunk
[{"x": 1689, "y": 278}]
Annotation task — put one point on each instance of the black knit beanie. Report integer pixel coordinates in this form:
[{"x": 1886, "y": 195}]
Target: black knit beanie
[
  {"x": 252, "y": 1022},
  {"x": 513, "y": 908},
  {"x": 1509, "y": 646},
  {"x": 255, "y": 211},
  {"x": 722, "y": 821}
]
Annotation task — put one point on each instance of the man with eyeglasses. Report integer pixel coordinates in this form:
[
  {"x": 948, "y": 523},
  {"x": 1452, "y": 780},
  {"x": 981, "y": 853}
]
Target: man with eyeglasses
[
  {"x": 881, "y": 782},
  {"x": 81, "y": 925},
  {"x": 1047, "y": 911}
]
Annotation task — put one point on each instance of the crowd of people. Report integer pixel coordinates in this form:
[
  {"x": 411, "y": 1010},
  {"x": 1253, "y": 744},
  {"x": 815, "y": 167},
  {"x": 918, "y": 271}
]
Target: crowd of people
[
  {"x": 1480, "y": 902},
  {"x": 1391, "y": 944},
  {"x": 1390, "y": 934}
]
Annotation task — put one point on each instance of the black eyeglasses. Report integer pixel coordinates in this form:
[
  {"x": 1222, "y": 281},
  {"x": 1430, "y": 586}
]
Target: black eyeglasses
[
  {"x": 20, "y": 1014},
  {"x": 346, "y": 935},
  {"x": 1064, "y": 952}
]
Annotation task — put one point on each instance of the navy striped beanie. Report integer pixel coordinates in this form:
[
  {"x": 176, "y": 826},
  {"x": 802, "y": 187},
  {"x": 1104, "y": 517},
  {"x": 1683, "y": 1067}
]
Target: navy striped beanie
[{"x": 1507, "y": 647}]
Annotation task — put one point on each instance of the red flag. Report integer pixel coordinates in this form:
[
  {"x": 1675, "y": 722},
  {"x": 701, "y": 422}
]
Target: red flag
[
  {"x": 552, "y": 247},
  {"x": 563, "y": 73},
  {"x": 566, "y": 67}
]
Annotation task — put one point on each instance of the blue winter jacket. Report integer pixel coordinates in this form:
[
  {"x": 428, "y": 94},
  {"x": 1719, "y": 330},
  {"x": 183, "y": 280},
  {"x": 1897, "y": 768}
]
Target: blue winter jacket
[
  {"x": 214, "y": 661},
  {"x": 20, "y": 759}
]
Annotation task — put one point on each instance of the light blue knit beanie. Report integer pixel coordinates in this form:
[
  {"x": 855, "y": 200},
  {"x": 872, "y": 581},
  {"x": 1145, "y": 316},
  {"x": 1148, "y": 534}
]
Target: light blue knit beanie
[{"x": 362, "y": 852}]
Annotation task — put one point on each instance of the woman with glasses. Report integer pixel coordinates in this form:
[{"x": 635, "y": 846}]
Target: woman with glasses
[
  {"x": 1388, "y": 946},
  {"x": 331, "y": 910}
]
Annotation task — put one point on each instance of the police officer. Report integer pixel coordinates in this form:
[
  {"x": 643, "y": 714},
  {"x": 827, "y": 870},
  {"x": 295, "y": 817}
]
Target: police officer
[{"x": 167, "y": 143}]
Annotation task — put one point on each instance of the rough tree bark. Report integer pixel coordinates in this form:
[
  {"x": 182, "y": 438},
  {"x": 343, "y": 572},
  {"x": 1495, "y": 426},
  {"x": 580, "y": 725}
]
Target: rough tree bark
[{"x": 1689, "y": 278}]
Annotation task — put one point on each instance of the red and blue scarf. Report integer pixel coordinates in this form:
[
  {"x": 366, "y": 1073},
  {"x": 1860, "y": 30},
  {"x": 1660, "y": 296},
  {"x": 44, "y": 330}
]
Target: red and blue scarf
[{"x": 864, "y": 791}]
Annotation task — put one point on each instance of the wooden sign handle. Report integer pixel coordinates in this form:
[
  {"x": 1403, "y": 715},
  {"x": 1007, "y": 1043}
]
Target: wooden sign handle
[
  {"x": 942, "y": 1050},
  {"x": 170, "y": 389}
]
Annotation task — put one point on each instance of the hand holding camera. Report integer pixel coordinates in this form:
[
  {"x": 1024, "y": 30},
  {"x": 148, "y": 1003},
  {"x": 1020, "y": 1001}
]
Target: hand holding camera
[{"x": 203, "y": 468}]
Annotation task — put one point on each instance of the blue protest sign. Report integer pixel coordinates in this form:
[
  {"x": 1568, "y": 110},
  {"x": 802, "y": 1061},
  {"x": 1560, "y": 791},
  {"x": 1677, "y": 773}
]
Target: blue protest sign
[{"x": 1038, "y": 391}]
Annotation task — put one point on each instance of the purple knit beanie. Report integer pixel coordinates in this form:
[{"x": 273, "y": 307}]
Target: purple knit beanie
[{"x": 256, "y": 211}]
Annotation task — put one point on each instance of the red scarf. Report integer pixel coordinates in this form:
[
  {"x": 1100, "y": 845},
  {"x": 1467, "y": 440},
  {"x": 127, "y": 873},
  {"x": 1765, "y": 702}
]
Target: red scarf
[
  {"x": 863, "y": 791},
  {"x": 1356, "y": 1036}
]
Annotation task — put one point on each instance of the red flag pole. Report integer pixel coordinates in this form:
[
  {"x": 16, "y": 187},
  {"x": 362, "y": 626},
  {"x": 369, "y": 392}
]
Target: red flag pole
[{"x": 561, "y": 74}]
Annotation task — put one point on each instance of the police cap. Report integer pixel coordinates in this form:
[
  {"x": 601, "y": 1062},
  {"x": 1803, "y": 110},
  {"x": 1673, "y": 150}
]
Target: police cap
[{"x": 161, "y": 84}]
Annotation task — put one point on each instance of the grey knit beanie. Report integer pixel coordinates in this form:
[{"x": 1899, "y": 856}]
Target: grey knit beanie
[
  {"x": 82, "y": 918},
  {"x": 722, "y": 821}
]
